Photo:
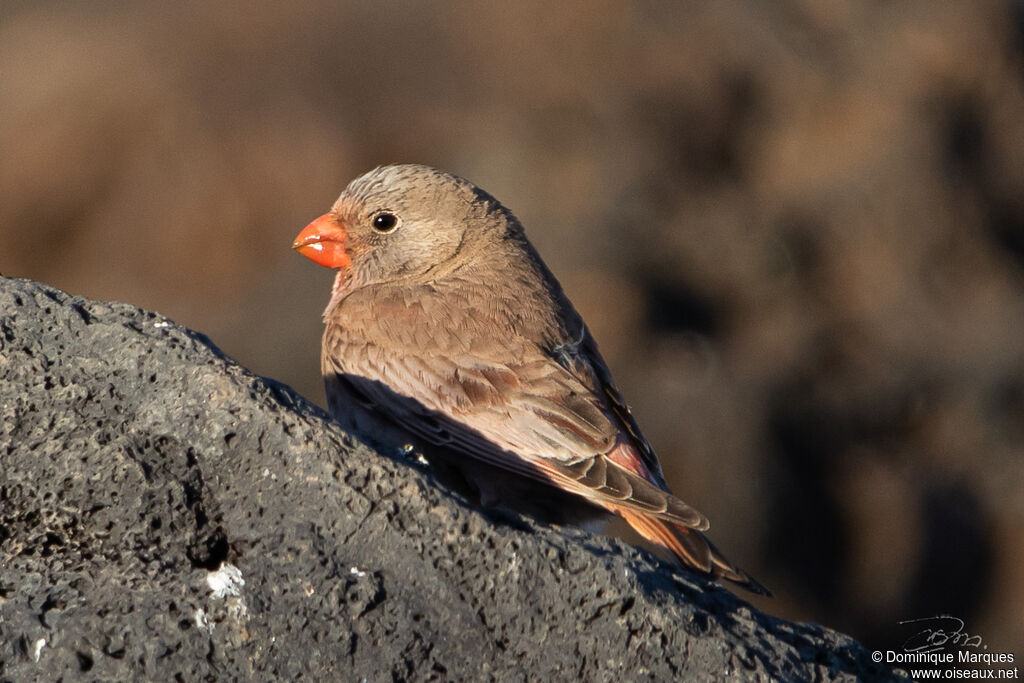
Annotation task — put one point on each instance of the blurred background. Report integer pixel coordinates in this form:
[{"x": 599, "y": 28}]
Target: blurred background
[{"x": 795, "y": 228}]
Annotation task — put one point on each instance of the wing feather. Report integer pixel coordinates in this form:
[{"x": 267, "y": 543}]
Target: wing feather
[{"x": 558, "y": 433}]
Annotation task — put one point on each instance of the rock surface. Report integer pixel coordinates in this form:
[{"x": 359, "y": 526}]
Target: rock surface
[{"x": 165, "y": 514}]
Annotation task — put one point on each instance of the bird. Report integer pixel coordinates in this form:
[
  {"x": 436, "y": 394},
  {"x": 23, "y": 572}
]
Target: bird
[{"x": 446, "y": 333}]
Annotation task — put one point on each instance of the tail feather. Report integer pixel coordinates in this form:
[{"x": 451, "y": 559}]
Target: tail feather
[{"x": 691, "y": 549}]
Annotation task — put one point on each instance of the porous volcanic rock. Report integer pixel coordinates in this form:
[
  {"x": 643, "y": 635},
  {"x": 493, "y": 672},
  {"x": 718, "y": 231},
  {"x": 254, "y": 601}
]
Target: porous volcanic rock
[{"x": 166, "y": 514}]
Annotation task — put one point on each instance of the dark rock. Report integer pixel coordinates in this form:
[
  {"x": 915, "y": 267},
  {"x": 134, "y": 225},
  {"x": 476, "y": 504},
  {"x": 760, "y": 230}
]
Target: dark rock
[{"x": 137, "y": 459}]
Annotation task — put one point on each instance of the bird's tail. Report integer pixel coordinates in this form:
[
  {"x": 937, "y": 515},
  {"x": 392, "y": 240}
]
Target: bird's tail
[{"x": 691, "y": 549}]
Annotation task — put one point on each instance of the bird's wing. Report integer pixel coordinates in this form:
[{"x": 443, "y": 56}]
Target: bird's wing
[
  {"x": 543, "y": 414},
  {"x": 584, "y": 361}
]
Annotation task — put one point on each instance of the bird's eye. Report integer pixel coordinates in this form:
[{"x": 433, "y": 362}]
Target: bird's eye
[{"x": 384, "y": 222}]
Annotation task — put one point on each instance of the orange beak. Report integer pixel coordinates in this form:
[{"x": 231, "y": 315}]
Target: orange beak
[{"x": 323, "y": 243}]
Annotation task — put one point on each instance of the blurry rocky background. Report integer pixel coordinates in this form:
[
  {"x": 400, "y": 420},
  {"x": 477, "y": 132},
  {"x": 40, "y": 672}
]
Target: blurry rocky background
[{"x": 796, "y": 229}]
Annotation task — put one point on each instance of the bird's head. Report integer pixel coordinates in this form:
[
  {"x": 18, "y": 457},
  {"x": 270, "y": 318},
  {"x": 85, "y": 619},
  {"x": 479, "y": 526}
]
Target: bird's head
[{"x": 396, "y": 222}]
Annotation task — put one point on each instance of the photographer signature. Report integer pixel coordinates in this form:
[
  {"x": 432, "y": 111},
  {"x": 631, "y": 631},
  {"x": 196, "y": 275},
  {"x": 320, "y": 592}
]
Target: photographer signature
[{"x": 940, "y": 633}]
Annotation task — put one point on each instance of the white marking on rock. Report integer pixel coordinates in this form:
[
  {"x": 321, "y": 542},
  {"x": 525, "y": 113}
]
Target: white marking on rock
[
  {"x": 226, "y": 581},
  {"x": 37, "y": 648},
  {"x": 356, "y": 571},
  {"x": 202, "y": 623},
  {"x": 162, "y": 324}
]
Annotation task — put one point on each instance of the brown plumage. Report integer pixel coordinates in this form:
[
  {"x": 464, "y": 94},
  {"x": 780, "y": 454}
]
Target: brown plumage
[{"x": 446, "y": 330}]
